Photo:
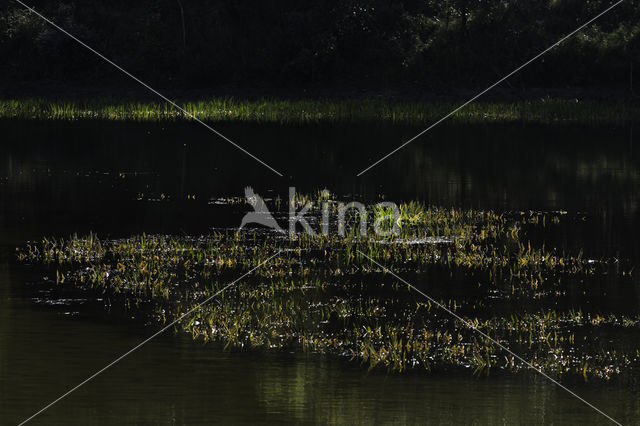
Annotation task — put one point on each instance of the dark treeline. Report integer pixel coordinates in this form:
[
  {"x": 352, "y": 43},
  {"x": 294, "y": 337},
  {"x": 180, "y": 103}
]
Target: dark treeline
[{"x": 377, "y": 43}]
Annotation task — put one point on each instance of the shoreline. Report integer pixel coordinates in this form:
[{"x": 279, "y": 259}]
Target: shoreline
[
  {"x": 324, "y": 110},
  {"x": 412, "y": 105}
]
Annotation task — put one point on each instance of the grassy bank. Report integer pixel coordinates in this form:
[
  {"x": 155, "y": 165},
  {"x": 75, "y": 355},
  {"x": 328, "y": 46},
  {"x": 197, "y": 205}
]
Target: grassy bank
[{"x": 541, "y": 111}]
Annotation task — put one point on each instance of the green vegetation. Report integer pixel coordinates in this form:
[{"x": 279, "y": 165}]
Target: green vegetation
[
  {"x": 321, "y": 295},
  {"x": 338, "y": 43},
  {"x": 343, "y": 49},
  {"x": 312, "y": 111}
]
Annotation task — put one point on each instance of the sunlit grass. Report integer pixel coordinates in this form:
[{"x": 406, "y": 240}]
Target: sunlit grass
[
  {"x": 320, "y": 294},
  {"x": 323, "y": 110}
]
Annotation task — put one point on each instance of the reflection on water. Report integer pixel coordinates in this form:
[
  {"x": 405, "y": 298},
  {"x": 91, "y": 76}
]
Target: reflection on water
[
  {"x": 121, "y": 178},
  {"x": 173, "y": 380}
]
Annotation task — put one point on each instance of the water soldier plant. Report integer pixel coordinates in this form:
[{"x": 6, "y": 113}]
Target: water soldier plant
[{"x": 322, "y": 296}]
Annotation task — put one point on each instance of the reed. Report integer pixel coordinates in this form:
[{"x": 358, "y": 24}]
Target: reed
[{"x": 300, "y": 111}]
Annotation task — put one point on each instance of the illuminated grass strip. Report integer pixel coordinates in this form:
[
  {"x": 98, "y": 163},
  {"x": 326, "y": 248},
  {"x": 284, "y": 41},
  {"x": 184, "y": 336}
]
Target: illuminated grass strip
[{"x": 542, "y": 111}]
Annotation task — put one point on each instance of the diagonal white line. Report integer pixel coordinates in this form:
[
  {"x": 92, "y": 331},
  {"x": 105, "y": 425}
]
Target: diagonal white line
[
  {"x": 485, "y": 335},
  {"x": 176, "y": 106},
  {"x": 138, "y": 346},
  {"x": 490, "y": 87}
]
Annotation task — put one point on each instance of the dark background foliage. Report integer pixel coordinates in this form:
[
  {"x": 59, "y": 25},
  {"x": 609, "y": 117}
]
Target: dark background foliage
[{"x": 368, "y": 43}]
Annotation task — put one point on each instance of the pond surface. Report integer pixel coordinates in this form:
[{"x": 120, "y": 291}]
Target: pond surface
[{"x": 118, "y": 179}]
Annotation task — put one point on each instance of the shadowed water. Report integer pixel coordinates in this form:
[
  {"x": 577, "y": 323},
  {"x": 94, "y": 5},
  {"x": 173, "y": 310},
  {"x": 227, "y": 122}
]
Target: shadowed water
[{"x": 124, "y": 178}]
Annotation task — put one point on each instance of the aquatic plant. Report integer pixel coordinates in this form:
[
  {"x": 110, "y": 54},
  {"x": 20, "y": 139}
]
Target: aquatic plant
[{"x": 321, "y": 295}]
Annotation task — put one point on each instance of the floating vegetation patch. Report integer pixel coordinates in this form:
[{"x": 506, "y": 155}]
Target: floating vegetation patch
[
  {"x": 546, "y": 110},
  {"x": 322, "y": 295}
]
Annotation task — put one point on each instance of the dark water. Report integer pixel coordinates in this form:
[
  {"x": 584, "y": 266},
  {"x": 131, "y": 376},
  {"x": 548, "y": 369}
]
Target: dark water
[{"x": 123, "y": 178}]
